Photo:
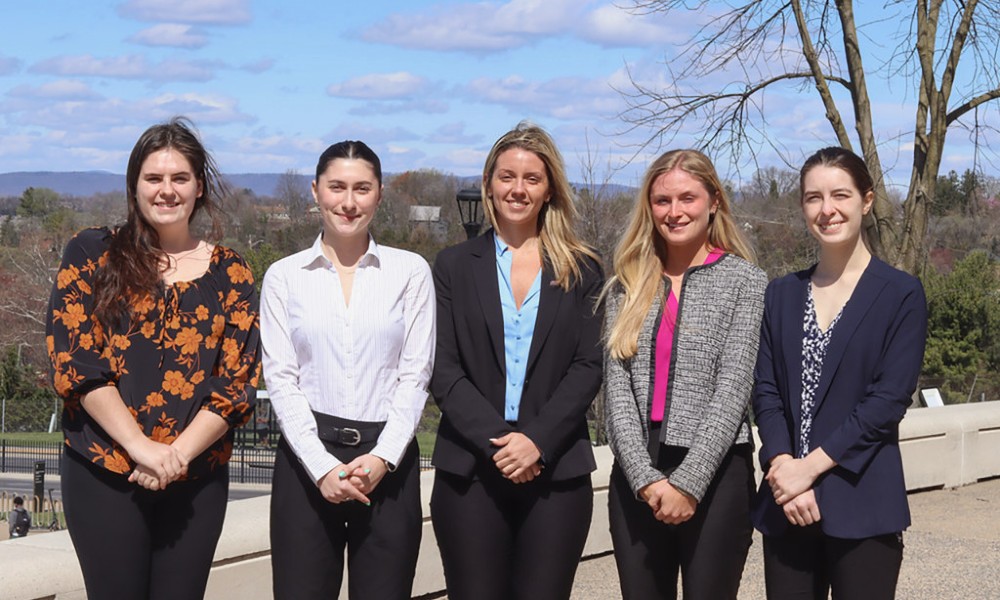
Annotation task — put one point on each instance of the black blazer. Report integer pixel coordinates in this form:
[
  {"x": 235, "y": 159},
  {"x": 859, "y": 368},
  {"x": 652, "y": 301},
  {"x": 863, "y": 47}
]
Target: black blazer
[
  {"x": 563, "y": 373},
  {"x": 869, "y": 374}
]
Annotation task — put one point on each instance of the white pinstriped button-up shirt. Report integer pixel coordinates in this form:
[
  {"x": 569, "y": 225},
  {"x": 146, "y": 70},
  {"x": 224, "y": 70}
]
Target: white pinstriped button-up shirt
[{"x": 370, "y": 360}]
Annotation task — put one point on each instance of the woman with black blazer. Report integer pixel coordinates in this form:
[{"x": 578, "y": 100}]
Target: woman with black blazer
[
  {"x": 842, "y": 344},
  {"x": 518, "y": 363},
  {"x": 682, "y": 327}
]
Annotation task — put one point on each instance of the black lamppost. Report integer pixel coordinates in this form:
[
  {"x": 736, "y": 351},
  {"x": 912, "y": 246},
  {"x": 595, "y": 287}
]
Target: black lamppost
[{"x": 469, "y": 201}]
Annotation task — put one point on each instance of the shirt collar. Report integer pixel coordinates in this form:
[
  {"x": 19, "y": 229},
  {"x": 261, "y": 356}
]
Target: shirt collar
[
  {"x": 314, "y": 256},
  {"x": 501, "y": 246}
]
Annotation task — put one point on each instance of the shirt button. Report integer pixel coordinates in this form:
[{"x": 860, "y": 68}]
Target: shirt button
[{"x": 517, "y": 360}]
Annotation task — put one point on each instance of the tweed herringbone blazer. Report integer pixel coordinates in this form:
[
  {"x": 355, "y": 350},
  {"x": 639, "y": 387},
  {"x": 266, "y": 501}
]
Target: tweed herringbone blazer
[{"x": 711, "y": 375}]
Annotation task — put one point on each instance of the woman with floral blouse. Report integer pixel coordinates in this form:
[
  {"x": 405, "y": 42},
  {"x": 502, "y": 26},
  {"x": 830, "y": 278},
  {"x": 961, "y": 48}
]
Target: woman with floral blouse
[{"x": 154, "y": 342}]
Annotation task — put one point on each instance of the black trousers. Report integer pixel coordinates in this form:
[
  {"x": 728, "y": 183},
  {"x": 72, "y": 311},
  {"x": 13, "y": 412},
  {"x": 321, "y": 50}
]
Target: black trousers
[
  {"x": 804, "y": 564},
  {"x": 505, "y": 541},
  {"x": 709, "y": 550},
  {"x": 309, "y": 534},
  {"x": 134, "y": 544}
]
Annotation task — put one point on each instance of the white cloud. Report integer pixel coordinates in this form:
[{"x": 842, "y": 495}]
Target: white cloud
[
  {"x": 379, "y": 86},
  {"x": 612, "y": 26},
  {"x": 132, "y": 66},
  {"x": 63, "y": 89},
  {"x": 561, "y": 97},
  {"x": 98, "y": 117},
  {"x": 425, "y": 106},
  {"x": 8, "y": 65},
  {"x": 453, "y": 133},
  {"x": 477, "y": 27},
  {"x": 208, "y": 12},
  {"x": 370, "y": 134},
  {"x": 258, "y": 66},
  {"x": 173, "y": 35}
]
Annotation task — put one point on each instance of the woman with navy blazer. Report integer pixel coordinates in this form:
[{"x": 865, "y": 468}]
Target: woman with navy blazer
[
  {"x": 842, "y": 344},
  {"x": 518, "y": 363}
]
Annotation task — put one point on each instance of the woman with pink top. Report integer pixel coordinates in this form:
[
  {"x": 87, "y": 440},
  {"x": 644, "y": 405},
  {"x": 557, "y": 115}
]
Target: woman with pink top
[{"x": 681, "y": 332}]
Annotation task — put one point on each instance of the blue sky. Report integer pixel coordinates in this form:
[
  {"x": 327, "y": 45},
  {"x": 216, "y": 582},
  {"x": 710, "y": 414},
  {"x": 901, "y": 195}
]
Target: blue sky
[{"x": 428, "y": 84}]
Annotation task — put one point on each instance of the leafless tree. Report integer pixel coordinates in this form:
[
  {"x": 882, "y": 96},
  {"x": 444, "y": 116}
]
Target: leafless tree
[
  {"x": 946, "y": 50},
  {"x": 293, "y": 191}
]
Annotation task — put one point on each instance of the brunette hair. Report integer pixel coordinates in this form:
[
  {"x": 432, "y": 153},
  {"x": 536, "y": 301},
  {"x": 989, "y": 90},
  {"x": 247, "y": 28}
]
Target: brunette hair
[
  {"x": 349, "y": 149},
  {"x": 839, "y": 158},
  {"x": 642, "y": 252},
  {"x": 557, "y": 235},
  {"x": 132, "y": 264}
]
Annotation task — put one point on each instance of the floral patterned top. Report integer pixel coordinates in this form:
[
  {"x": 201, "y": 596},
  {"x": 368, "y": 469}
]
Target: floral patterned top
[
  {"x": 814, "y": 345},
  {"x": 194, "y": 346}
]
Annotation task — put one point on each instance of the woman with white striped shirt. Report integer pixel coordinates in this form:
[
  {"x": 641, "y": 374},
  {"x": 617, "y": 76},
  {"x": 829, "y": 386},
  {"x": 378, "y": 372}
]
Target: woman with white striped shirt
[{"x": 348, "y": 331}]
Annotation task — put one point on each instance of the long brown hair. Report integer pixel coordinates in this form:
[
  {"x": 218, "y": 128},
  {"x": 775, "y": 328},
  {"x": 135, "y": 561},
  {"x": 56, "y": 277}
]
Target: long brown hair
[
  {"x": 132, "y": 267},
  {"x": 642, "y": 252}
]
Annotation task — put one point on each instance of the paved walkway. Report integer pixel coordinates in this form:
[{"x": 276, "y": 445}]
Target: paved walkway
[{"x": 952, "y": 551}]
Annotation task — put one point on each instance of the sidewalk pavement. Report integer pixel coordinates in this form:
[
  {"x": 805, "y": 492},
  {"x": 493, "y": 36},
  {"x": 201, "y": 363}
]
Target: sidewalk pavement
[{"x": 952, "y": 551}]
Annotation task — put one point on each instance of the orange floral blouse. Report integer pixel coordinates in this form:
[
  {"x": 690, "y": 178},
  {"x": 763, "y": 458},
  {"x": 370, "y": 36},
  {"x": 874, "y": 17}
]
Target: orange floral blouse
[{"x": 196, "y": 346}]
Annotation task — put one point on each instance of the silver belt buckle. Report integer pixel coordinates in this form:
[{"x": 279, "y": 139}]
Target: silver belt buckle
[{"x": 355, "y": 433}]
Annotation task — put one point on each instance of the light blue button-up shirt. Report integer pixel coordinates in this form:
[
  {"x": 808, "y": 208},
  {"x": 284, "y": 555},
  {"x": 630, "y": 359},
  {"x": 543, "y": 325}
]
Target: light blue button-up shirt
[{"x": 518, "y": 327}]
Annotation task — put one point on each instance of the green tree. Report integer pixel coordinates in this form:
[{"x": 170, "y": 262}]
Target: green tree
[
  {"x": 27, "y": 402},
  {"x": 963, "y": 341},
  {"x": 37, "y": 202},
  {"x": 260, "y": 258},
  {"x": 8, "y": 233}
]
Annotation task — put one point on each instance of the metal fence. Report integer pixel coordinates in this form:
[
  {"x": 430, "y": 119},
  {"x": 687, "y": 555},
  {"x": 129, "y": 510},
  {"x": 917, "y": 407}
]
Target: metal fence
[
  {"x": 20, "y": 457},
  {"x": 252, "y": 460}
]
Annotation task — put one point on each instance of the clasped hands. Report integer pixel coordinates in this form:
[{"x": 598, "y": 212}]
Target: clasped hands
[
  {"x": 354, "y": 480},
  {"x": 669, "y": 504},
  {"x": 517, "y": 458},
  {"x": 157, "y": 464},
  {"x": 791, "y": 481}
]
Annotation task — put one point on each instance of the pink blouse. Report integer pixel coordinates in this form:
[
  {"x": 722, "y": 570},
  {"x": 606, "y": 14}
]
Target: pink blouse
[{"x": 665, "y": 346}]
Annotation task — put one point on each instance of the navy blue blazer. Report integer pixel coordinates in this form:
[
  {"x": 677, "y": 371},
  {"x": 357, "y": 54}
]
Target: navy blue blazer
[
  {"x": 869, "y": 374},
  {"x": 563, "y": 373}
]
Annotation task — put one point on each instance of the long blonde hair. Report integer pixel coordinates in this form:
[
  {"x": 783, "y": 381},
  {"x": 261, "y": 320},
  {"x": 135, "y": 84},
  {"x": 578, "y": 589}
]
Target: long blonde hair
[
  {"x": 557, "y": 236},
  {"x": 642, "y": 252}
]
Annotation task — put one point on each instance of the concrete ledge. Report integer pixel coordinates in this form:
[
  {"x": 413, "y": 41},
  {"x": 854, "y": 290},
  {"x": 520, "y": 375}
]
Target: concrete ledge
[{"x": 942, "y": 447}]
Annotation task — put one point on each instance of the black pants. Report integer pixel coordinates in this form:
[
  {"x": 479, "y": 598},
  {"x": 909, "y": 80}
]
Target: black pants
[
  {"x": 309, "y": 534},
  {"x": 804, "y": 564},
  {"x": 505, "y": 541},
  {"x": 709, "y": 549},
  {"x": 134, "y": 544}
]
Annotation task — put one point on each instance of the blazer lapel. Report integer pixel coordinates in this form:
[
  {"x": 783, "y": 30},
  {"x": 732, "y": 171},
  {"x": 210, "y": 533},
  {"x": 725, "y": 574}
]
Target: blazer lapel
[
  {"x": 484, "y": 274},
  {"x": 549, "y": 297},
  {"x": 865, "y": 293},
  {"x": 792, "y": 337}
]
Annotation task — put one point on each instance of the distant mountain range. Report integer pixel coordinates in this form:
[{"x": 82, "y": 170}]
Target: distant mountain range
[{"x": 87, "y": 183}]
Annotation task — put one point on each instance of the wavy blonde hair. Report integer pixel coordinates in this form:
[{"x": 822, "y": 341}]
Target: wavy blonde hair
[
  {"x": 642, "y": 253},
  {"x": 558, "y": 241}
]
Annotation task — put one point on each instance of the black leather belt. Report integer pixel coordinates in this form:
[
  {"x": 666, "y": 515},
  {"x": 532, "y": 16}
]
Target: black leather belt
[{"x": 344, "y": 432}]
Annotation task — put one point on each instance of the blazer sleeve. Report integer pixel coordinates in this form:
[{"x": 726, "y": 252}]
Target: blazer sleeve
[
  {"x": 876, "y": 417},
  {"x": 556, "y": 424},
  {"x": 623, "y": 420},
  {"x": 727, "y": 408},
  {"x": 768, "y": 407},
  {"x": 468, "y": 410}
]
